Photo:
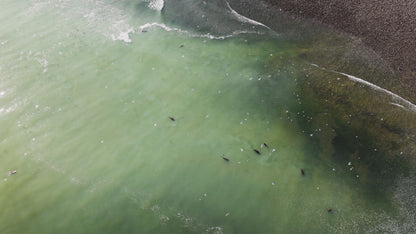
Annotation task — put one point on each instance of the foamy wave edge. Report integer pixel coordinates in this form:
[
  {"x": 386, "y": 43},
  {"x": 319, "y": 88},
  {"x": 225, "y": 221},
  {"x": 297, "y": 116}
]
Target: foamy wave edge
[
  {"x": 410, "y": 106},
  {"x": 244, "y": 19},
  {"x": 207, "y": 35}
]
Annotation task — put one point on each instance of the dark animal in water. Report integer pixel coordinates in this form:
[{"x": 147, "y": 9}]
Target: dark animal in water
[
  {"x": 265, "y": 145},
  {"x": 225, "y": 159},
  {"x": 171, "y": 118},
  {"x": 144, "y": 31},
  {"x": 257, "y": 152},
  {"x": 329, "y": 210},
  {"x": 180, "y": 46},
  {"x": 302, "y": 171}
]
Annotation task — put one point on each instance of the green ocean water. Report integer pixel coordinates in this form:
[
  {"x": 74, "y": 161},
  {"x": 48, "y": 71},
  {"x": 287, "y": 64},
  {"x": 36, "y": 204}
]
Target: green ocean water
[{"x": 86, "y": 92}]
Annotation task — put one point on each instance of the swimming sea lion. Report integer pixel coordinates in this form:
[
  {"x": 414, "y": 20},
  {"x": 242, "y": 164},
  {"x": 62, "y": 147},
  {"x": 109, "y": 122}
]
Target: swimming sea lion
[
  {"x": 257, "y": 152},
  {"x": 225, "y": 159}
]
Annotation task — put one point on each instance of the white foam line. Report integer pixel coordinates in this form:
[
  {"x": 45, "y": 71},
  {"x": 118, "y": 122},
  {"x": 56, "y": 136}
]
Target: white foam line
[
  {"x": 225, "y": 36},
  {"x": 410, "y": 105},
  {"x": 163, "y": 26},
  {"x": 244, "y": 19},
  {"x": 169, "y": 29},
  {"x": 395, "y": 104}
]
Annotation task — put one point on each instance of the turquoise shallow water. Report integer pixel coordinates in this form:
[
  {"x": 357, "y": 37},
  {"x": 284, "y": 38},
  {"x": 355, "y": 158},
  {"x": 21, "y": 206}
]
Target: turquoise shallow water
[{"x": 86, "y": 92}]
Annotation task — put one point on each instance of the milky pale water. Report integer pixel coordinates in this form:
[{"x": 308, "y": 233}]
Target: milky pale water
[{"x": 86, "y": 92}]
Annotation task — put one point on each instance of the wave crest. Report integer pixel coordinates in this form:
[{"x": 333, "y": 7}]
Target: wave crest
[
  {"x": 156, "y": 4},
  {"x": 144, "y": 27}
]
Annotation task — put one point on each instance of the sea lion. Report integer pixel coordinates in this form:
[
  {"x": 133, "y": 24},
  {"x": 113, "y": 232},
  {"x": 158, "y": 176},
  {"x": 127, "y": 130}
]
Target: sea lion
[
  {"x": 265, "y": 145},
  {"x": 225, "y": 159},
  {"x": 302, "y": 172},
  {"x": 257, "y": 152},
  {"x": 171, "y": 118}
]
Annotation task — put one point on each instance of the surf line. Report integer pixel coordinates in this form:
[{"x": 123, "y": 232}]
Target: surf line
[
  {"x": 209, "y": 36},
  {"x": 244, "y": 19},
  {"x": 410, "y": 105}
]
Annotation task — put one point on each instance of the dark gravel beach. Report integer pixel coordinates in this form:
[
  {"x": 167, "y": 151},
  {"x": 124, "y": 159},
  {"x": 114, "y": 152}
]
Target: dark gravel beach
[{"x": 387, "y": 27}]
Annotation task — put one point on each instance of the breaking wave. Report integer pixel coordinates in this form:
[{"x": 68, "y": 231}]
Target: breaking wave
[
  {"x": 395, "y": 97},
  {"x": 145, "y": 27},
  {"x": 244, "y": 19},
  {"x": 156, "y": 4}
]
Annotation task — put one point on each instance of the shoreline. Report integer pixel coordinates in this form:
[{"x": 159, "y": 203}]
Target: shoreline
[
  {"x": 388, "y": 28},
  {"x": 387, "y": 125}
]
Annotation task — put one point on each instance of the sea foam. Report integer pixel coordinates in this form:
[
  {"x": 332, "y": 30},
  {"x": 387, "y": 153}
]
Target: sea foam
[
  {"x": 206, "y": 35},
  {"x": 123, "y": 36},
  {"x": 396, "y": 97},
  {"x": 244, "y": 19},
  {"x": 156, "y": 4}
]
